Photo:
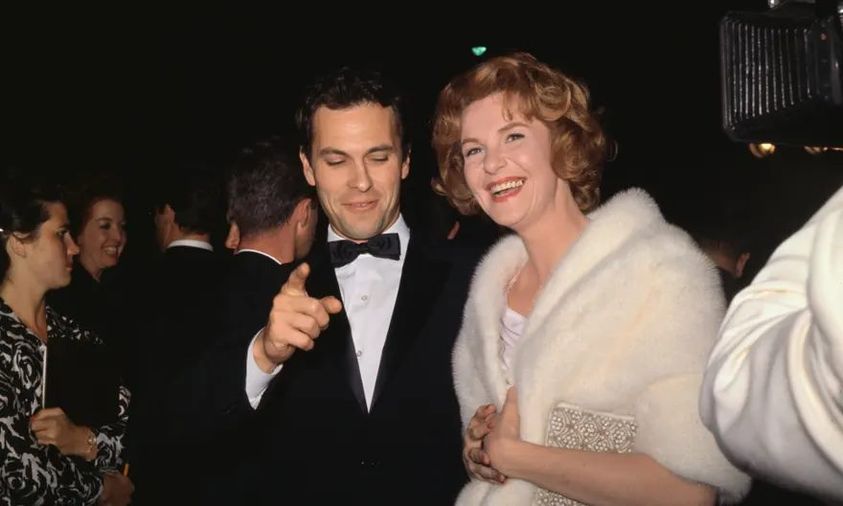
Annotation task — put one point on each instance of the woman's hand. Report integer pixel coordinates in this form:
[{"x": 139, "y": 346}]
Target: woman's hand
[
  {"x": 116, "y": 490},
  {"x": 474, "y": 457},
  {"x": 52, "y": 427},
  {"x": 504, "y": 433}
]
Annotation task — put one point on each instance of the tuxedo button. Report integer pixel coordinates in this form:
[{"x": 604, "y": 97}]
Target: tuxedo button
[
  {"x": 364, "y": 298},
  {"x": 359, "y": 353}
]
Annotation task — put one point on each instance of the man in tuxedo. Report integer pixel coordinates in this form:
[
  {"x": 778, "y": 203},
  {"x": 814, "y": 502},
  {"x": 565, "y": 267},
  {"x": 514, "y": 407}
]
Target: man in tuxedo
[
  {"x": 272, "y": 219},
  {"x": 186, "y": 279},
  {"x": 353, "y": 369},
  {"x": 348, "y": 386},
  {"x": 174, "y": 325}
]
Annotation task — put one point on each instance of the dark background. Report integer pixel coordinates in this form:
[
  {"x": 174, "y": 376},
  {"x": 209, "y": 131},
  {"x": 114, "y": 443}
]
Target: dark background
[{"x": 137, "y": 91}]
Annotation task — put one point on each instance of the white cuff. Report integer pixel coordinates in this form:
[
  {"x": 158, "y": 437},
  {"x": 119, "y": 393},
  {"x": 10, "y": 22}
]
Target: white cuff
[{"x": 256, "y": 379}]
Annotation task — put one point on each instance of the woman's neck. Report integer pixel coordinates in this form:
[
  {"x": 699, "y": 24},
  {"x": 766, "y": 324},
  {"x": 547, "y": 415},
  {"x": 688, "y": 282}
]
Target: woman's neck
[
  {"x": 546, "y": 241},
  {"x": 550, "y": 238},
  {"x": 89, "y": 266},
  {"x": 28, "y": 304}
]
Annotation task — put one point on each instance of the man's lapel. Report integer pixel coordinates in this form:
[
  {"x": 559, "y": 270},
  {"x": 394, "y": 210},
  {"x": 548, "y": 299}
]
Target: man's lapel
[
  {"x": 420, "y": 286},
  {"x": 336, "y": 341}
]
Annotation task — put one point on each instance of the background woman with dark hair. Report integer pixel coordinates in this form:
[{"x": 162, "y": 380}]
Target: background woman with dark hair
[{"x": 45, "y": 457}]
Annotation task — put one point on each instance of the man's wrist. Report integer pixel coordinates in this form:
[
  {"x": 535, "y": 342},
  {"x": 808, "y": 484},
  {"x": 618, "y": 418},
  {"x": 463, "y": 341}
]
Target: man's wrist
[{"x": 259, "y": 354}]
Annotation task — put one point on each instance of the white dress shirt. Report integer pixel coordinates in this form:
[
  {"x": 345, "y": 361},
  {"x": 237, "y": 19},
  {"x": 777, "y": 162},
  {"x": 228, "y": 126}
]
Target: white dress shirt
[
  {"x": 191, "y": 243},
  {"x": 267, "y": 255},
  {"x": 368, "y": 288}
]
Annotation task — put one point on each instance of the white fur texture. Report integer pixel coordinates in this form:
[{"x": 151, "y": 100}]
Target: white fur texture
[{"x": 624, "y": 325}]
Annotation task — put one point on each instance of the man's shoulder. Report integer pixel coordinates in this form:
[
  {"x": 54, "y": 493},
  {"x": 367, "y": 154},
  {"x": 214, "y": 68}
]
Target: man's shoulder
[
  {"x": 254, "y": 269},
  {"x": 182, "y": 260}
]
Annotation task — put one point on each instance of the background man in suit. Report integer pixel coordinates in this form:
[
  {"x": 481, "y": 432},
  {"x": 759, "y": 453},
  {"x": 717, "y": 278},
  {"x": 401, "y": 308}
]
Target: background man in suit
[
  {"x": 367, "y": 413},
  {"x": 174, "y": 327},
  {"x": 185, "y": 281},
  {"x": 272, "y": 219}
]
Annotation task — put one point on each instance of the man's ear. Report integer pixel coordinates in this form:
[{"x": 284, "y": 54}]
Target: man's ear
[
  {"x": 169, "y": 213},
  {"x": 307, "y": 168},
  {"x": 304, "y": 212},
  {"x": 740, "y": 265},
  {"x": 165, "y": 214},
  {"x": 232, "y": 240}
]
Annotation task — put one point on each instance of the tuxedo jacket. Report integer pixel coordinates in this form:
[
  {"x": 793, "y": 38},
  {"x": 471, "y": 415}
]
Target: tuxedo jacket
[
  {"x": 312, "y": 439},
  {"x": 185, "y": 289},
  {"x": 251, "y": 283},
  {"x": 179, "y": 325},
  {"x": 325, "y": 446}
]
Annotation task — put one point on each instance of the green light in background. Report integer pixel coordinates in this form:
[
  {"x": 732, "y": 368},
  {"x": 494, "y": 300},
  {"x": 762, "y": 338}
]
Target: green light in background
[{"x": 478, "y": 50}]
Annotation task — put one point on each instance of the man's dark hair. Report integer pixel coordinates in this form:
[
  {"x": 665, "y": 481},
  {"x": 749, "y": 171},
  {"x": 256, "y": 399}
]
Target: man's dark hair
[
  {"x": 348, "y": 87},
  {"x": 264, "y": 186},
  {"x": 194, "y": 193}
]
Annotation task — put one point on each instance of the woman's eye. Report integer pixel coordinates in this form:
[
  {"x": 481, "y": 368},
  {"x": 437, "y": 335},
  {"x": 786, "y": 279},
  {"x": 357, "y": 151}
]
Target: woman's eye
[{"x": 471, "y": 152}]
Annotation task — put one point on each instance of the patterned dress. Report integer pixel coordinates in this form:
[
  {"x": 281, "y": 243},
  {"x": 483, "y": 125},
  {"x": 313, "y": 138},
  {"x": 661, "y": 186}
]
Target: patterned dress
[{"x": 32, "y": 473}]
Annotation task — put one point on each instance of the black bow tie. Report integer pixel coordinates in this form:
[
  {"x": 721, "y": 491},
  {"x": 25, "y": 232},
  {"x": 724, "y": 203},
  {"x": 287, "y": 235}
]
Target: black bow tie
[{"x": 383, "y": 246}]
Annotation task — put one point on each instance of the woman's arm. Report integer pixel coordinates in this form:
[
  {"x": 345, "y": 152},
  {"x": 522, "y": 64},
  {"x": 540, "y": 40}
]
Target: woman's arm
[
  {"x": 31, "y": 471},
  {"x": 599, "y": 478},
  {"x": 109, "y": 438},
  {"x": 103, "y": 445},
  {"x": 51, "y": 426},
  {"x": 589, "y": 477}
]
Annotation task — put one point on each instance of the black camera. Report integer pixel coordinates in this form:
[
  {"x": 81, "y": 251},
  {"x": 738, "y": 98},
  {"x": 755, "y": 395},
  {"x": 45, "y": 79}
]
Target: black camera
[{"x": 782, "y": 74}]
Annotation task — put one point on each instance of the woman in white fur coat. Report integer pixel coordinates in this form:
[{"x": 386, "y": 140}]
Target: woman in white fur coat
[{"x": 585, "y": 336}]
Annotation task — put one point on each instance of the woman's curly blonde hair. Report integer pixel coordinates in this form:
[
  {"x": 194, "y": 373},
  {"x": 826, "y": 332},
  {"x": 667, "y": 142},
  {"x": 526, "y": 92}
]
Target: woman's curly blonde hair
[{"x": 578, "y": 142}]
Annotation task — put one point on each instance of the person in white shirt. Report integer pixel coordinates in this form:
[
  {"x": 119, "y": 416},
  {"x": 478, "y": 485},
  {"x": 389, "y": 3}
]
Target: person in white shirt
[
  {"x": 353, "y": 369},
  {"x": 773, "y": 389}
]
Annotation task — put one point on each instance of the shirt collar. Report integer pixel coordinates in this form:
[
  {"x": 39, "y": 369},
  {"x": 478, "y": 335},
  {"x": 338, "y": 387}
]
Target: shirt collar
[
  {"x": 267, "y": 255},
  {"x": 191, "y": 243}
]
